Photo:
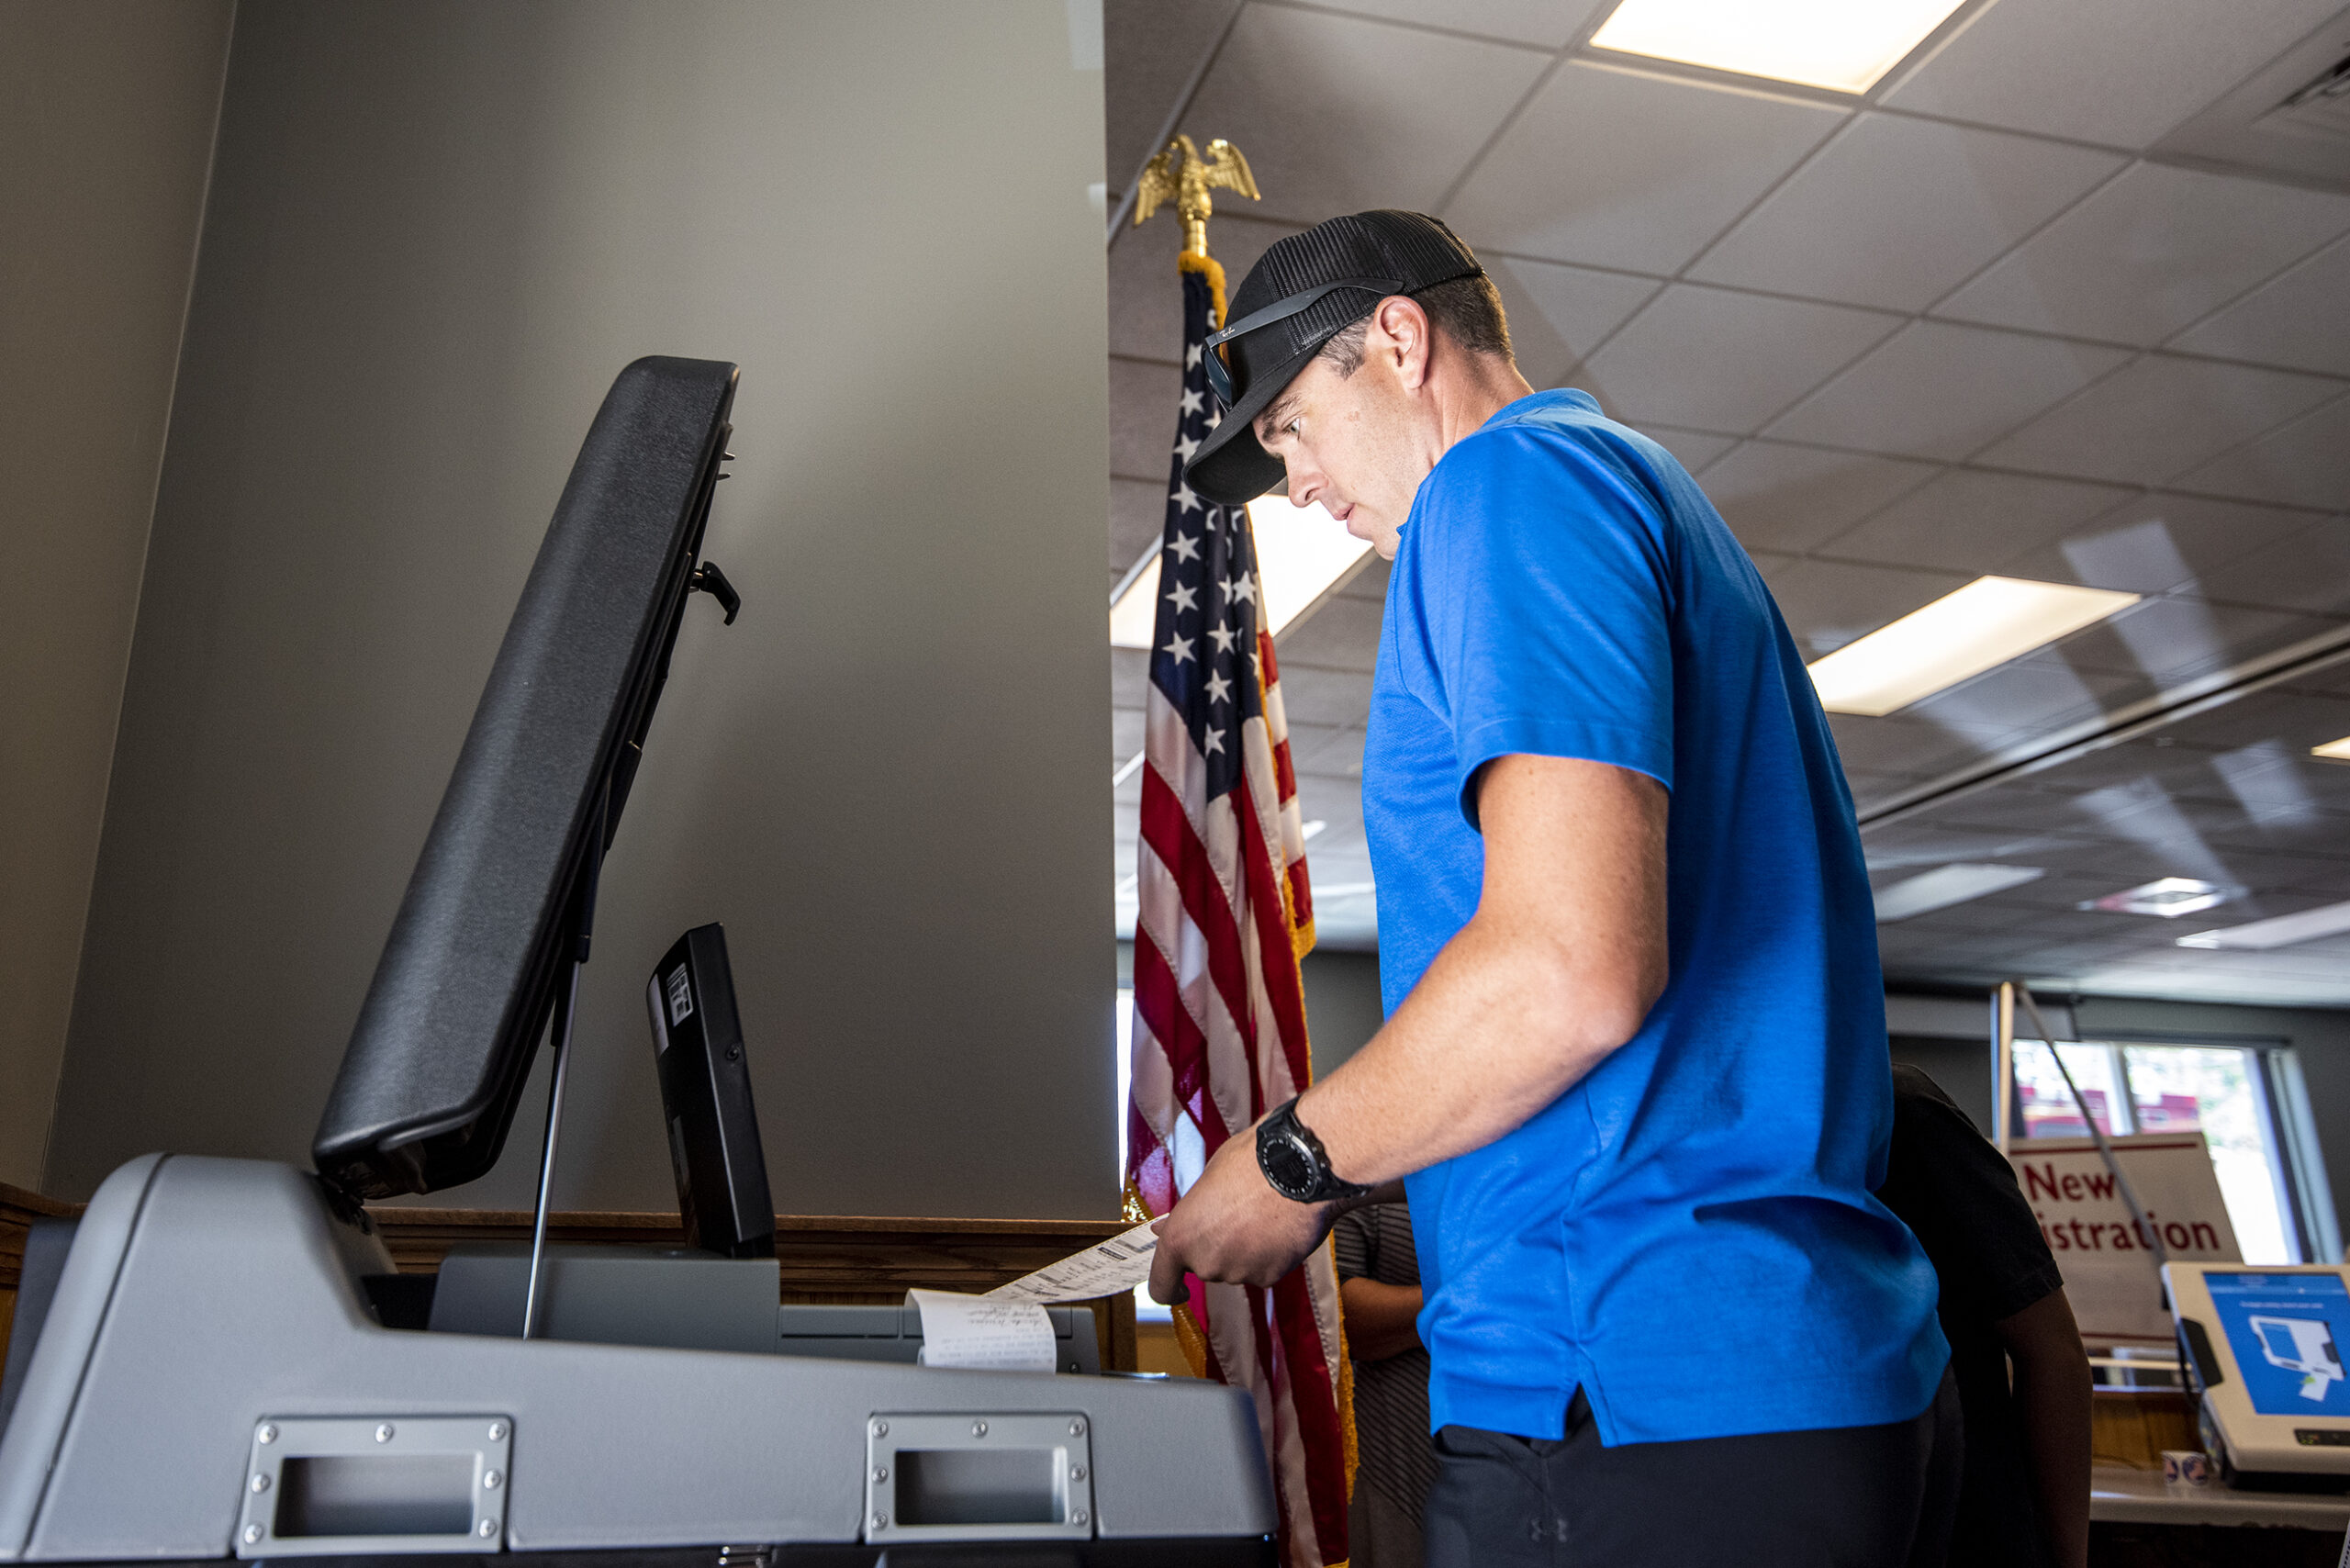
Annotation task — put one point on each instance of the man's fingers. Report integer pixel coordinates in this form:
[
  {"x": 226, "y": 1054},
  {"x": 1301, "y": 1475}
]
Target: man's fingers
[{"x": 1167, "y": 1276}]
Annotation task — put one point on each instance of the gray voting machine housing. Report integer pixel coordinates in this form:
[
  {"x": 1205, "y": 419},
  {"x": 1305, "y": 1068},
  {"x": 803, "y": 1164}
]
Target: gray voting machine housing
[{"x": 224, "y": 1361}]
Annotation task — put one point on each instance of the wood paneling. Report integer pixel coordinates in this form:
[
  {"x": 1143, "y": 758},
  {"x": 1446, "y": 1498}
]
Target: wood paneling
[{"x": 824, "y": 1258}]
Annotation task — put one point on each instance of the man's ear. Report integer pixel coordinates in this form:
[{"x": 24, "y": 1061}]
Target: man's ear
[{"x": 1404, "y": 325}]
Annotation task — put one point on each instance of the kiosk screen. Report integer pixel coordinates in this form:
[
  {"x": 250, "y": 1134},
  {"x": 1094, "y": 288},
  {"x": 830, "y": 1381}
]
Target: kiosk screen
[{"x": 2283, "y": 1329}]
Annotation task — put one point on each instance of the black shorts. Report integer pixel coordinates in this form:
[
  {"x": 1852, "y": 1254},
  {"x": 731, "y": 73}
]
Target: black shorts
[{"x": 1847, "y": 1497}]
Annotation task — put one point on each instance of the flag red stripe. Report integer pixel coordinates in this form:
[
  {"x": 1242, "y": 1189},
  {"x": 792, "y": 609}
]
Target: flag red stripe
[
  {"x": 1168, "y": 833},
  {"x": 1160, "y": 1003},
  {"x": 1316, "y": 1403},
  {"x": 1283, "y": 985}
]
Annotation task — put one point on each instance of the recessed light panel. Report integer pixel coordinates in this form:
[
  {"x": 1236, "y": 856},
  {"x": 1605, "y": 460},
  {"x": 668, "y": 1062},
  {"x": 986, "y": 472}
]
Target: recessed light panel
[
  {"x": 1303, "y": 553},
  {"x": 1988, "y": 622},
  {"x": 2169, "y": 897},
  {"x": 2285, "y": 930},
  {"x": 1946, "y": 885},
  {"x": 2333, "y": 751},
  {"x": 1842, "y": 45}
]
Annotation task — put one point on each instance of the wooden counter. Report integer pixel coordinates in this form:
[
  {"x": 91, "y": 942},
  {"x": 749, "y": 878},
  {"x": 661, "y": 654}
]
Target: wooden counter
[{"x": 824, "y": 1258}]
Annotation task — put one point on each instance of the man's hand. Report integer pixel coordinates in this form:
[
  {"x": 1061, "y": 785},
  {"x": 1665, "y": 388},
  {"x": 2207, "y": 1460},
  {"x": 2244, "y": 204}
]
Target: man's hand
[{"x": 1233, "y": 1228}]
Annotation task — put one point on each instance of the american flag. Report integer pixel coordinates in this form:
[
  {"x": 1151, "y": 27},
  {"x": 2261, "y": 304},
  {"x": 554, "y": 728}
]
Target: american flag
[{"x": 1219, "y": 1025}]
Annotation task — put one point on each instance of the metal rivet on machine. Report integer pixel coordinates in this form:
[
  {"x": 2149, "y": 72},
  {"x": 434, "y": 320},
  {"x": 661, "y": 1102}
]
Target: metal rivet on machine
[
  {"x": 267, "y": 1434},
  {"x": 881, "y": 1473},
  {"x": 880, "y": 1429},
  {"x": 492, "y": 1479},
  {"x": 252, "y": 1534},
  {"x": 497, "y": 1431},
  {"x": 384, "y": 1433},
  {"x": 1077, "y": 1516},
  {"x": 1076, "y": 1472},
  {"x": 259, "y": 1484},
  {"x": 979, "y": 1428},
  {"x": 1076, "y": 1429},
  {"x": 881, "y": 1520},
  {"x": 486, "y": 1528}
]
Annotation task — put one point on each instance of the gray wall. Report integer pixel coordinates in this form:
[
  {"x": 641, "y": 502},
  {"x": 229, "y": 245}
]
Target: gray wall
[
  {"x": 106, "y": 113},
  {"x": 437, "y": 229}
]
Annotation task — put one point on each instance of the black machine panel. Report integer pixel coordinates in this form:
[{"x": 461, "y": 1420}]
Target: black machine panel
[
  {"x": 706, "y": 1098},
  {"x": 497, "y": 906}
]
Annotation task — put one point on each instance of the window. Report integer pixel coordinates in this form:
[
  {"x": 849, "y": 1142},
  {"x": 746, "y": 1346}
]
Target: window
[{"x": 2239, "y": 1097}]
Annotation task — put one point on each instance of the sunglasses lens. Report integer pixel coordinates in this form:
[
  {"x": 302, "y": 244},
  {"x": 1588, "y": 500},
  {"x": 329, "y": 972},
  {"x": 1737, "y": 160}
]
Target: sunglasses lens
[{"x": 1219, "y": 377}]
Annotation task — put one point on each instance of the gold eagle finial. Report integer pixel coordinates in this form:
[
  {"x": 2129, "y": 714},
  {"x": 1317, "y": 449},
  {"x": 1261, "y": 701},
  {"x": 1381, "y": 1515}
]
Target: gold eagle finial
[{"x": 1180, "y": 175}]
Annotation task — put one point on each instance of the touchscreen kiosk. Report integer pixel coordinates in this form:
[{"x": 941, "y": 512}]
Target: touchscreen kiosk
[{"x": 2262, "y": 1352}]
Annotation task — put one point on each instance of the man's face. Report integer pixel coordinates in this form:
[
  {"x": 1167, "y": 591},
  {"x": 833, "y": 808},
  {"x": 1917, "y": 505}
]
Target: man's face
[{"x": 1348, "y": 442}]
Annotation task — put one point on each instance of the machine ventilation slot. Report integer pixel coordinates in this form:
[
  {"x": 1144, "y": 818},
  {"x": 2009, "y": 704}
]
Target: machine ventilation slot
[{"x": 2322, "y": 104}]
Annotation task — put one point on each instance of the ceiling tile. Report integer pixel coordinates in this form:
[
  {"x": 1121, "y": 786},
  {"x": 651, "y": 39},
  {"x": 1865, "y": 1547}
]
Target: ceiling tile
[
  {"x": 1292, "y": 90},
  {"x": 1557, "y": 314},
  {"x": 2157, "y": 542},
  {"x": 1549, "y": 23},
  {"x": 2116, "y": 72},
  {"x": 1147, "y": 295},
  {"x": 1143, "y": 394},
  {"x": 1137, "y": 520},
  {"x": 1776, "y": 496},
  {"x": 1897, "y": 745},
  {"x": 2308, "y": 571},
  {"x": 2174, "y": 639},
  {"x": 1341, "y": 634},
  {"x": 2149, "y": 253},
  {"x": 1940, "y": 390},
  {"x": 1722, "y": 360},
  {"x": 1313, "y": 694},
  {"x": 1897, "y": 212},
  {"x": 1621, "y": 168},
  {"x": 2028, "y": 697},
  {"x": 2298, "y": 320},
  {"x": 2158, "y": 418},
  {"x": 1968, "y": 520},
  {"x": 1828, "y": 603},
  {"x": 1370, "y": 583},
  {"x": 1149, "y": 49},
  {"x": 1696, "y": 451},
  {"x": 2305, "y": 463}
]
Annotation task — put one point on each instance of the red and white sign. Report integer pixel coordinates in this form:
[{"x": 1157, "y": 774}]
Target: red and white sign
[{"x": 2108, "y": 1265}]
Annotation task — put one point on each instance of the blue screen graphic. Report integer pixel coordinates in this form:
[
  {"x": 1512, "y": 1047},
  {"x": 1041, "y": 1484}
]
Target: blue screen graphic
[{"x": 2283, "y": 1328}]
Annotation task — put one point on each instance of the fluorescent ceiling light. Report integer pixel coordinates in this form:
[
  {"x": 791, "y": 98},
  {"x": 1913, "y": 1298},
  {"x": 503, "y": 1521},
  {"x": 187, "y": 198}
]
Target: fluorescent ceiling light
[
  {"x": 1988, "y": 622},
  {"x": 1303, "y": 554},
  {"x": 2335, "y": 751},
  {"x": 1313, "y": 828},
  {"x": 1842, "y": 45},
  {"x": 2169, "y": 897},
  {"x": 2282, "y": 931},
  {"x": 1947, "y": 885}
]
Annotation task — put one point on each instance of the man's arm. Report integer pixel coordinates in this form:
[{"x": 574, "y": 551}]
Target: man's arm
[
  {"x": 1382, "y": 1320},
  {"x": 1556, "y": 970},
  {"x": 2053, "y": 1397}
]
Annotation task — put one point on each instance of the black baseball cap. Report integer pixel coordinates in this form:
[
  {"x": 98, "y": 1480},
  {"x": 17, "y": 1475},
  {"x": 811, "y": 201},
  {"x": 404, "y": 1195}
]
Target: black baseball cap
[{"x": 1300, "y": 295}]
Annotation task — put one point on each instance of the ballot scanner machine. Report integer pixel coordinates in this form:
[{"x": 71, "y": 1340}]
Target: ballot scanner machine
[
  {"x": 226, "y": 1362},
  {"x": 2260, "y": 1347}
]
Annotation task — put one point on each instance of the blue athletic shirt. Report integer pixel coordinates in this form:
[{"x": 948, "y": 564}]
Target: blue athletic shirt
[{"x": 1688, "y": 1233}]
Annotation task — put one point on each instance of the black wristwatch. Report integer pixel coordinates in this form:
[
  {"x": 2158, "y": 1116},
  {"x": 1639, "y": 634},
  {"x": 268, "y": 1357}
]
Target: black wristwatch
[{"x": 1293, "y": 1162}]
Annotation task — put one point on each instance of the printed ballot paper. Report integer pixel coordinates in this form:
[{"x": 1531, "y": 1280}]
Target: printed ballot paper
[
  {"x": 1106, "y": 1269},
  {"x": 1007, "y": 1329}
]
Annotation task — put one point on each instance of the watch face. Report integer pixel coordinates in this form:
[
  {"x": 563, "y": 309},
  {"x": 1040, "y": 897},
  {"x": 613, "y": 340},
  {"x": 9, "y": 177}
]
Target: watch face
[{"x": 1288, "y": 1166}]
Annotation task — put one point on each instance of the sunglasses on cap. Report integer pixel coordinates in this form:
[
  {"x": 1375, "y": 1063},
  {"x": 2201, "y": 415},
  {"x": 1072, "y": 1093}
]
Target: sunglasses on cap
[{"x": 1220, "y": 372}]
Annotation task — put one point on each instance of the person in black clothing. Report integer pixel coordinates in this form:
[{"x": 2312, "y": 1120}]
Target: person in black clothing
[
  {"x": 2024, "y": 1499},
  {"x": 1379, "y": 1285}
]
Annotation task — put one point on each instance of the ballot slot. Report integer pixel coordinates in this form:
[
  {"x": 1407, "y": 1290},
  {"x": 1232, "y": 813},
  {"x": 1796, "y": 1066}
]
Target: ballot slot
[
  {"x": 978, "y": 1475},
  {"x": 318, "y": 1486}
]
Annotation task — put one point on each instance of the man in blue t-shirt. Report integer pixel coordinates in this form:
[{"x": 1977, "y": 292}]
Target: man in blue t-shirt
[{"x": 1634, "y": 1070}]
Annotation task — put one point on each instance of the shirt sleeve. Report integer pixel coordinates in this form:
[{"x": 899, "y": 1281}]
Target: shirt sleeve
[
  {"x": 1958, "y": 1193},
  {"x": 1353, "y": 1245},
  {"x": 1546, "y": 606}
]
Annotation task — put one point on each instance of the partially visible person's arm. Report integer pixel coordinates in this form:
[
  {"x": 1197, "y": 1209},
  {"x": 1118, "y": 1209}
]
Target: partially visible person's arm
[
  {"x": 2052, "y": 1398},
  {"x": 1556, "y": 970},
  {"x": 1382, "y": 1320}
]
